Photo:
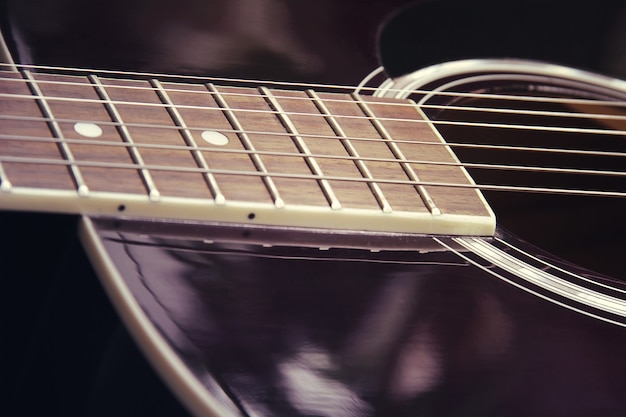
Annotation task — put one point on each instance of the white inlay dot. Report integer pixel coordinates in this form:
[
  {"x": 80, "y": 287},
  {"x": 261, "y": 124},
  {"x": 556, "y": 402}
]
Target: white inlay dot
[
  {"x": 90, "y": 130},
  {"x": 214, "y": 138}
]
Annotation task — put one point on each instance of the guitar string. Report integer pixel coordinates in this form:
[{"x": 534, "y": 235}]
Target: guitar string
[
  {"x": 159, "y": 146},
  {"x": 377, "y": 140},
  {"x": 482, "y": 109},
  {"x": 395, "y": 102},
  {"x": 153, "y": 146},
  {"x": 387, "y": 103},
  {"x": 557, "y": 129},
  {"x": 411, "y": 120},
  {"x": 196, "y": 78},
  {"x": 259, "y": 82},
  {"x": 349, "y": 117},
  {"x": 563, "y": 151},
  {"x": 487, "y": 166},
  {"x": 215, "y": 171}
]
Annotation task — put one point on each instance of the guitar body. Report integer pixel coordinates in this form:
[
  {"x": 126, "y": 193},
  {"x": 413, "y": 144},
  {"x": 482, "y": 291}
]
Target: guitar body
[{"x": 240, "y": 318}]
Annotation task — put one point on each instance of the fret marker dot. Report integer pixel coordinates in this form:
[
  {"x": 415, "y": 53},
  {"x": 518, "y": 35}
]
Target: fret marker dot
[
  {"x": 214, "y": 138},
  {"x": 90, "y": 130}
]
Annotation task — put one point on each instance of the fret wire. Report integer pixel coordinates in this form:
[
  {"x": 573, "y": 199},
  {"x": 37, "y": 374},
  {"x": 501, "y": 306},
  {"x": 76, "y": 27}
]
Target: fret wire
[
  {"x": 529, "y": 168},
  {"x": 247, "y": 143},
  {"x": 56, "y": 131},
  {"x": 345, "y": 142},
  {"x": 5, "y": 184},
  {"x": 490, "y": 187},
  {"x": 190, "y": 141},
  {"x": 397, "y": 152},
  {"x": 559, "y": 129},
  {"x": 343, "y": 88},
  {"x": 302, "y": 147},
  {"x": 353, "y": 138},
  {"x": 122, "y": 128}
]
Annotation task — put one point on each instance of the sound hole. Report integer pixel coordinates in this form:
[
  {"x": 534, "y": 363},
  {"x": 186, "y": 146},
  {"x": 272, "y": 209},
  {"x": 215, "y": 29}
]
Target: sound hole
[{"x": 588, "y": 231}]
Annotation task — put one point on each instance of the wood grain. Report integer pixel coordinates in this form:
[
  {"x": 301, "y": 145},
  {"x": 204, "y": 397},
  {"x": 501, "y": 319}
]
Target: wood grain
[{"x": 294, "y": 154}]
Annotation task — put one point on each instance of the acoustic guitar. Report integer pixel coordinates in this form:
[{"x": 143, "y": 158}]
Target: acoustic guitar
[{"x": 281, "y": 248}]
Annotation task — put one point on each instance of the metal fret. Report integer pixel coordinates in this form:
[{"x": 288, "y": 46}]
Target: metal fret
[
  {"x": 248, "y": 145},
  {"x": 153, "y": 192},
  {"x": 347, "y": 144},
  {"x": 302, "y": 148},
  {"x": 56, "y": 131},
  {"x": 5, "y": 184},
  {"x": 395, "y": 150},
  {"x": 210, "y": 179}
]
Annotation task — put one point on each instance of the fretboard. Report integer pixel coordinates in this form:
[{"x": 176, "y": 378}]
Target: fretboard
[{"x": 271, "y": 156}]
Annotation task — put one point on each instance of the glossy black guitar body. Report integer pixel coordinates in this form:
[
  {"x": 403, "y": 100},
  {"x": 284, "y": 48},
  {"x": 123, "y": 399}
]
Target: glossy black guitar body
[
  {"x": 295, "y": 330},
  {"x": 271, "y": 322}
]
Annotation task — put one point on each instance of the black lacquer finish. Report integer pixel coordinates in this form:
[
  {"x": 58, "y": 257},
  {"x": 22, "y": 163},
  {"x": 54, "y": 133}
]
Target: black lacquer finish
[{"x": 295, "y": 330}]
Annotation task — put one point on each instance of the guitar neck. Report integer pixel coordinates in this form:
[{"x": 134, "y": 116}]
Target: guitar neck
[{"x": 149, "y": 148}]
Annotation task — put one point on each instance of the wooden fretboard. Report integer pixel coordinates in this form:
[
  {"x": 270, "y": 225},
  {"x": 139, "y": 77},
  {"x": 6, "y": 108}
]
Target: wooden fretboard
[{"x": 145, "y": 148}]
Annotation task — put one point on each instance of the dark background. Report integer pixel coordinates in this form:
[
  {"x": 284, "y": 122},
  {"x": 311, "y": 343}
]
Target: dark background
[{"x": 326, "y": 40}]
